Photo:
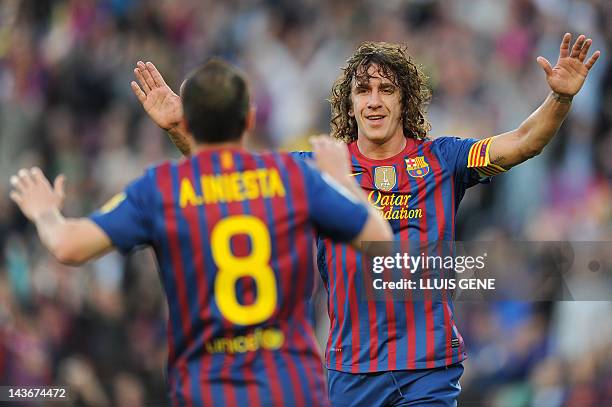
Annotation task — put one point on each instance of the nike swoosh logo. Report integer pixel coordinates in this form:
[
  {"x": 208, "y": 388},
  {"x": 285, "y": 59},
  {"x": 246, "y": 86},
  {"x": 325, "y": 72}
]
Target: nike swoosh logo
[{"x": 356, "y": 173}]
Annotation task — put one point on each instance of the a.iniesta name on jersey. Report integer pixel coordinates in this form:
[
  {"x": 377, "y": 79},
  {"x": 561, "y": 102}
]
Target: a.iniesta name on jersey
[{"x": 232, "y": 187}]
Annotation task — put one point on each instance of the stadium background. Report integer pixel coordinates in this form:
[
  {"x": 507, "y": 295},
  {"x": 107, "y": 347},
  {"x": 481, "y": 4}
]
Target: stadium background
[{"x": 66, "y": 104}]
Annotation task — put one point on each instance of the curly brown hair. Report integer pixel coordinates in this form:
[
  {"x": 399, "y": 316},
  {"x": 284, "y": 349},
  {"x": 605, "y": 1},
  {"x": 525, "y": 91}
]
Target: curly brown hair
[{"x": 396, "y": 65}]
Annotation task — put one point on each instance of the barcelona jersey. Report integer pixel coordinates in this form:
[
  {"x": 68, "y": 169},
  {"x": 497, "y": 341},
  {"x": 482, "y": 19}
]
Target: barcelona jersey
[
  {"x": 418, "y": 191},
  {"x": 233, "y": 234}
]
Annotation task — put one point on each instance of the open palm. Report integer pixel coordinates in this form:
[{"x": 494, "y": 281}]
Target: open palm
[
  {"x": 568, "y": 75},
  {"x": 159, "y": 101},
  {"x": 34, "y": 195}
]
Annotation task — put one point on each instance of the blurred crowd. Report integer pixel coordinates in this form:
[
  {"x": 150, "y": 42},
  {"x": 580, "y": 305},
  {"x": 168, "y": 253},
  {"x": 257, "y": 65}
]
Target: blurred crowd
[{"x": 66, "y": 105}]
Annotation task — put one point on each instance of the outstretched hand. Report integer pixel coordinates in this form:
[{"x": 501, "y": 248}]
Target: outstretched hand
[
  {"x": 159, "y": 101},
  {"x": 34, "y": 194},
  {"x": 568, "y": 75}
]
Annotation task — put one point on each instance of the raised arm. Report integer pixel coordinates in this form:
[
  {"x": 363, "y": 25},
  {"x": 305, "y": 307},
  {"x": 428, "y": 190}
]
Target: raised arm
[
  {"x": 70, "y": 241},
  {"x": 565, "y": 80},
  {"x": 162, "y": 105}
]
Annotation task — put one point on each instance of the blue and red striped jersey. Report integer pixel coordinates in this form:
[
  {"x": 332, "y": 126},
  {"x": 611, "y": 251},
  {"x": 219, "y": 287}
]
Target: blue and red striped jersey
[
  {"x": 418, "y": 191},
  {"x": 233, "y": 234}
]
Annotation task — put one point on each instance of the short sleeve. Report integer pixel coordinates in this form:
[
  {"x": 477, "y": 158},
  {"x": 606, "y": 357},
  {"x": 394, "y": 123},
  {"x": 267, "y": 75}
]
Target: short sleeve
[
  {"x": 333, "y": 210},
  {"x": 468, "y": 159},
  {"x": 124, "y": 218}
]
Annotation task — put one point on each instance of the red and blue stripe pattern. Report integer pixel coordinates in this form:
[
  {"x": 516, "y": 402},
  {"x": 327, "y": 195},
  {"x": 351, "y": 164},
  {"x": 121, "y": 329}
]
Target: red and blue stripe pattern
[
  {"x": 370, "y": 336},
  {"x": 212, "y": 360}
]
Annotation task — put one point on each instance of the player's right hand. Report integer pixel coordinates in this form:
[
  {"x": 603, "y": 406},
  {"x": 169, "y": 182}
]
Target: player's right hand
[
  {"x": 159, "y": 101},
  {"x": 34, "y": 194}
]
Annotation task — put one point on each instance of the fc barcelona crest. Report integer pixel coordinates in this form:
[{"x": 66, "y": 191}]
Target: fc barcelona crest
[
  {"x": 417, "y": 166},
  {"x": 385, "y": 177}
]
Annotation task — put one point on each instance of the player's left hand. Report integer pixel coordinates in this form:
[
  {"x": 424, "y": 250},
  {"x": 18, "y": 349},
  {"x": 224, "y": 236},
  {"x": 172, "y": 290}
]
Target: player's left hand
[
  {"x": 568, "y": 75},
  {"x": 34, "y": 194}
]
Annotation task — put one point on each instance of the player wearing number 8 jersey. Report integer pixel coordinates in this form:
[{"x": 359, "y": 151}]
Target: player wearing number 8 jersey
[{"x": 232, "y": 232}]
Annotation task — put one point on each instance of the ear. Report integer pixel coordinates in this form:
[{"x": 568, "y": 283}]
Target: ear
[
  {"x": 184, "y": 125},
  {"x": 192, "y": 142},
  {"x": 351, "y": 113},
  {"x": 251, "y": 119},
  {"x": 249, "y": 127}
]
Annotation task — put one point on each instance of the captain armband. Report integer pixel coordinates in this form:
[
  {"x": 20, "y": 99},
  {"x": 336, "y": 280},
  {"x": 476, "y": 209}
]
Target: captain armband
[{"x": 478, "y": 159}]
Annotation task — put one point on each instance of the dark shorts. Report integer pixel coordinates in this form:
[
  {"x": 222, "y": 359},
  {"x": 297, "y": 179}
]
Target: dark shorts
[{"x": 425, "y": 387}]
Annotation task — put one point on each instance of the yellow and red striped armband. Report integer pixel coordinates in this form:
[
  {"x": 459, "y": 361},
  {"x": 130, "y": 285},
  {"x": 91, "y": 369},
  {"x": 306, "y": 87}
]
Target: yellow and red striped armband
[{"x": 478, "y": 159}]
